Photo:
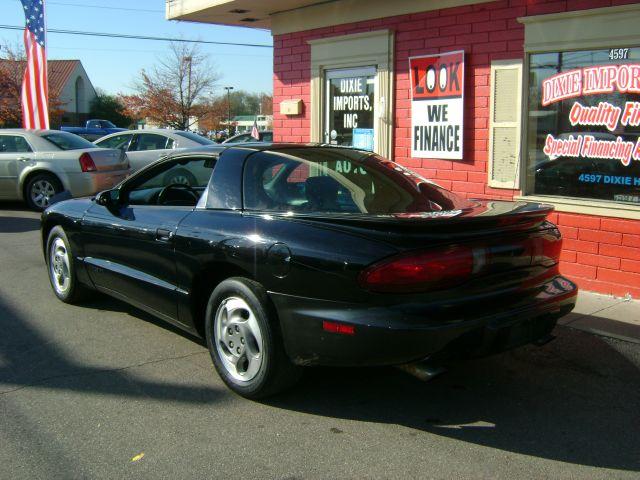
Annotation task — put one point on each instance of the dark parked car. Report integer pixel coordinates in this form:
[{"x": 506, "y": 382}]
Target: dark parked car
[
  {"x": 265, "y": 136},
  {"x": 292, "y": 255}
]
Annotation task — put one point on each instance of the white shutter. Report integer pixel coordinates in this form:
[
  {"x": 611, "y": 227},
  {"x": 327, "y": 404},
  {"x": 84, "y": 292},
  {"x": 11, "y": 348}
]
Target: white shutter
[{"x": 504, "y": 124}]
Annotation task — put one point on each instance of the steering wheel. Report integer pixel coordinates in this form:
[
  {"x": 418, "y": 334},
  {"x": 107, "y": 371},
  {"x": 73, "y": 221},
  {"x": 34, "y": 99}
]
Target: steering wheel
[{"x": 164, "y": 194}]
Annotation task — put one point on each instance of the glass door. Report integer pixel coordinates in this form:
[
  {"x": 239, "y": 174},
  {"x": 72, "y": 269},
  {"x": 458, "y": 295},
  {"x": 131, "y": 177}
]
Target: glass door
[{"x": 349, "y": 118}]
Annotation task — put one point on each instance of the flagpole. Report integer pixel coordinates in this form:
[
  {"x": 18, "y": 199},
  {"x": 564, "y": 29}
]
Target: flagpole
[{"x": 46, "y": 61}]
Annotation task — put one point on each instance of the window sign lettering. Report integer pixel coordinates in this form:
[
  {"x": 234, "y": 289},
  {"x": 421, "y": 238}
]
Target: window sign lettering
[
  {"x": 350, "y": 107},
  {"x": 618, "y": 54},
  {"x": 437, "y": 105},
  {"x": 584, "y": 124}
]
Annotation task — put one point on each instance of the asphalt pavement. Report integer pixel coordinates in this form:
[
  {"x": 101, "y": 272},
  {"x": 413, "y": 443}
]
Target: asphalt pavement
[{"x": 104, "y": 390}]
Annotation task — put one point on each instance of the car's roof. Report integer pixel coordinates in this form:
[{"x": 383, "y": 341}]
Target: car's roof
[
  {"x": 253, "y": 146},
  {"x": 24, "y": 130},
  {"x": 149, "y": 130}
]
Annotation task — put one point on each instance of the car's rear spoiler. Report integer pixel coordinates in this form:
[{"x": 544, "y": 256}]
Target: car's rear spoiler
[{"x": 483, "y": 216}]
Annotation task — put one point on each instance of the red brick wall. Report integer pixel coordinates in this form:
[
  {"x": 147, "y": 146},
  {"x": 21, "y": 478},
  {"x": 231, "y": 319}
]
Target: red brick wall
[{"x": 602, "y": 254}]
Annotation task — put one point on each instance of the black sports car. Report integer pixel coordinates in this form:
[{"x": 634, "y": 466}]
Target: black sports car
[{"x": 283, "y": 256}]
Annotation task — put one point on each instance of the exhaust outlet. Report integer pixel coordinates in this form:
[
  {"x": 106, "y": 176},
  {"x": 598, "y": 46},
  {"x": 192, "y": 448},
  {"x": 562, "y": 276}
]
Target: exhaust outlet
[
  {"x": 544, "y": 340},
  {"x": 421, "y": 370}
]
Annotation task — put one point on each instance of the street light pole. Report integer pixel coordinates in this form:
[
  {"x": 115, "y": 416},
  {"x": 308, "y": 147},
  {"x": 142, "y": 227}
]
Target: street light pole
[
  {"x": 188, "y": 61},
  {"x": 228, "y": 89}
]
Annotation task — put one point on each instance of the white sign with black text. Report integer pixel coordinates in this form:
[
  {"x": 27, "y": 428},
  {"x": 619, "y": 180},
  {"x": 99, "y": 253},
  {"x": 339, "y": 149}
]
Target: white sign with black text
[{"x": 437, "y": 105}]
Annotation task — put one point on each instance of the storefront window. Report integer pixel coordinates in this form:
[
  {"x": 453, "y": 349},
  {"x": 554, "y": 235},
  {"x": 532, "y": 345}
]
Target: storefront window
[
  {"x": 584, "y": 124},
  {"x": 349, "y": 107}
]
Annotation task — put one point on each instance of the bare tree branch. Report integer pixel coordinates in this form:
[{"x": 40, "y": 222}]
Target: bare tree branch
[{"x": 176, "y": 91}]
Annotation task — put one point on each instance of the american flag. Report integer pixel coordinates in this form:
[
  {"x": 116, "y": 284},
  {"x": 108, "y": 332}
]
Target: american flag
[
  {"x": 35, "y": 87},
  {"x": 254, "y": 131}
]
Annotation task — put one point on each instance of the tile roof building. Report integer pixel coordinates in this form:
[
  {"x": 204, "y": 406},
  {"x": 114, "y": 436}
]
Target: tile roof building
[{"x": 69, "y": 82}]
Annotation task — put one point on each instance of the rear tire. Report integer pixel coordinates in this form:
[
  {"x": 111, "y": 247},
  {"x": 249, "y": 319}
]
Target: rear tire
[
  {"x": 39, "y": 190},
  {"x": 244, "y": 340},
  {"x": 61, "y": 269}
]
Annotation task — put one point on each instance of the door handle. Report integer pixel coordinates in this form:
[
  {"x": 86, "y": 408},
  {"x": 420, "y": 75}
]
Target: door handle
[
  {"x": 163, "y": 235},
  {"x": 23, "y": 159}
]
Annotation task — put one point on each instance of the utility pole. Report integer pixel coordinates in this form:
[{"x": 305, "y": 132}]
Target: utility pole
[
  {"x": 228, "y": 89},
  {"x": 188, "y": 61}
]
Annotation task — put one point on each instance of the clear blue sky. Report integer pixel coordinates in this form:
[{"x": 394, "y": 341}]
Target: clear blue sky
[{"x": 113, "y": 63}]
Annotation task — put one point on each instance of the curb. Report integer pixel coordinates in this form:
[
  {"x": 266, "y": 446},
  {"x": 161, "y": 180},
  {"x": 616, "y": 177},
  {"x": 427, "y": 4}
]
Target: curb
[{"x": 625, "y": 332}]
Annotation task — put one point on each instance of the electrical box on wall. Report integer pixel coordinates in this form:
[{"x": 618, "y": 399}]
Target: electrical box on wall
[{"x": 291, "y": 107}]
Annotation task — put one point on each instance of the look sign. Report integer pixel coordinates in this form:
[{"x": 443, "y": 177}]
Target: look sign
[{"x": 437, "y": 92}]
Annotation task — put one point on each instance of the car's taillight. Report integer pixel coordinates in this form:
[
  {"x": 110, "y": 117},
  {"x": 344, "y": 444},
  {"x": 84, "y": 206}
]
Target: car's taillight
[
  {"x": 86, "y": 163},
  {"x": 420, "y": 271}
]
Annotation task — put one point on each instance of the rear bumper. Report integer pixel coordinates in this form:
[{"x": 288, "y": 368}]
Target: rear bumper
[
  {"x": 89, "y": 183},
  {"x": 388, "y": 335}
]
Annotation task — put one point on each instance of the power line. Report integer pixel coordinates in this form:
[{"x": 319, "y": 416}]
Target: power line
[
  {"x": 140, "y": 37},
  {"x": 216, "y": 54},
  {"x": 105, "y": 8}
]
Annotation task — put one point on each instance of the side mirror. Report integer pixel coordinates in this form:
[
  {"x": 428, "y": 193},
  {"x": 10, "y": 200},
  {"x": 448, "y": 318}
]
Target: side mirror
[{"x": 108, "y": 198}]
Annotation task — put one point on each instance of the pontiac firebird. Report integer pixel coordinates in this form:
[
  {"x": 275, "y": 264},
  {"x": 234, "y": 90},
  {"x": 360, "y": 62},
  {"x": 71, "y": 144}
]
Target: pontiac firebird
[{"x": 283, "y": 256}]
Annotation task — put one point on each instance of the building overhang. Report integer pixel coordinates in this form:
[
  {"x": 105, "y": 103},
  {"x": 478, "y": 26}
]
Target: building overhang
[
  {"x": 286, "y": 16},
  {"x": 239, "y": 13}
]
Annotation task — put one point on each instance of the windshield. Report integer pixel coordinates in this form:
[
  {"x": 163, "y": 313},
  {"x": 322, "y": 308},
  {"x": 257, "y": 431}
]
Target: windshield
[
  {"x": 67, "y": 141},
  {"x": 341, "y": 181},
  {"x": 195, "y": 137}
]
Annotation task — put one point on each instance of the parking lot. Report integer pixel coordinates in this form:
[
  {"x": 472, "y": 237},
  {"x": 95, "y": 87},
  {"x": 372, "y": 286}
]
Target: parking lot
[{"x": 86, "y": 390}]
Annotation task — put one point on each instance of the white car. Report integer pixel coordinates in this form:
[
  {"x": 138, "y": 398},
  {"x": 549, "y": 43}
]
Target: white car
[
  {"x": 37, "y": 164},
  {"x": 146, "y": 146}
]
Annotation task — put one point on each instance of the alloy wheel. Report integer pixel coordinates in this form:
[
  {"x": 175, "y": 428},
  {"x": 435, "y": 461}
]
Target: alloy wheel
[
  {"x": 181, "y": 180},
  {"x": 41, "y": 192},
  {"x": 59, "y": 266},
  {"x": 238, "y": 339}
]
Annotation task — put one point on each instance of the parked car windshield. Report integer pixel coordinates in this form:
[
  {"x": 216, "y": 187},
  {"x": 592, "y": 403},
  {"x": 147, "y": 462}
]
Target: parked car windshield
[
  {"x": 67, "y": 141},
  {"x": 341, "y": 181},
  {"x": 100, "y": 124},
  {"x": 195, "y": 137}
]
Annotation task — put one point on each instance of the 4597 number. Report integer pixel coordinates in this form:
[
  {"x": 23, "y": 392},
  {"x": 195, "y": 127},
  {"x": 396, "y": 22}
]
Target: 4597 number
[
  {"x": 590, "y": 178},
  {"x": 618, "y": 54}
]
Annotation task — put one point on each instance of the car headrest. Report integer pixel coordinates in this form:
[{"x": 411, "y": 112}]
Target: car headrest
[{"x": 322, "y": 191}]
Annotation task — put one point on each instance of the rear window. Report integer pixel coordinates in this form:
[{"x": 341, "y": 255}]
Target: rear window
[
  {"x": 339, "y": 181},
  {"x": 195, "y": 137},
  {"x": 67, "y": 141}
]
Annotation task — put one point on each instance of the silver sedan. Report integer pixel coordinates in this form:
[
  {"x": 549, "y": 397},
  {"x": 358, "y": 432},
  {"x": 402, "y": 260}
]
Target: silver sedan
[
  {"x": 146, "y": 146},
  {"x": 37, "y": 164}
]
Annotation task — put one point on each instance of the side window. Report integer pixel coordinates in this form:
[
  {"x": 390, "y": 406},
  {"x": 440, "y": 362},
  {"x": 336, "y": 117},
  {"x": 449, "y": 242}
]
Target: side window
[
  {"x": 178, "y": 182},
  {"x": 13, "y": 144},
  {"x": 278, "y": 184},
  {"x": 150, "y": 141},
  {"x": 244, "y": 138},
  {"x": 119, "y": 141},
  {"x": 266, "y": 137},
  {"x": 94, "y": 124},
  {"x": 171, "y": 143}
]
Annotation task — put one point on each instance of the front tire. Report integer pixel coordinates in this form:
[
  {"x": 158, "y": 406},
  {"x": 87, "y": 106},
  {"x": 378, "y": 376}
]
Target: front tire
[
  {"x": 244, "y": 340},
  {"x": 62, "y": 272},
  {"x": 39, "y": 190}
]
